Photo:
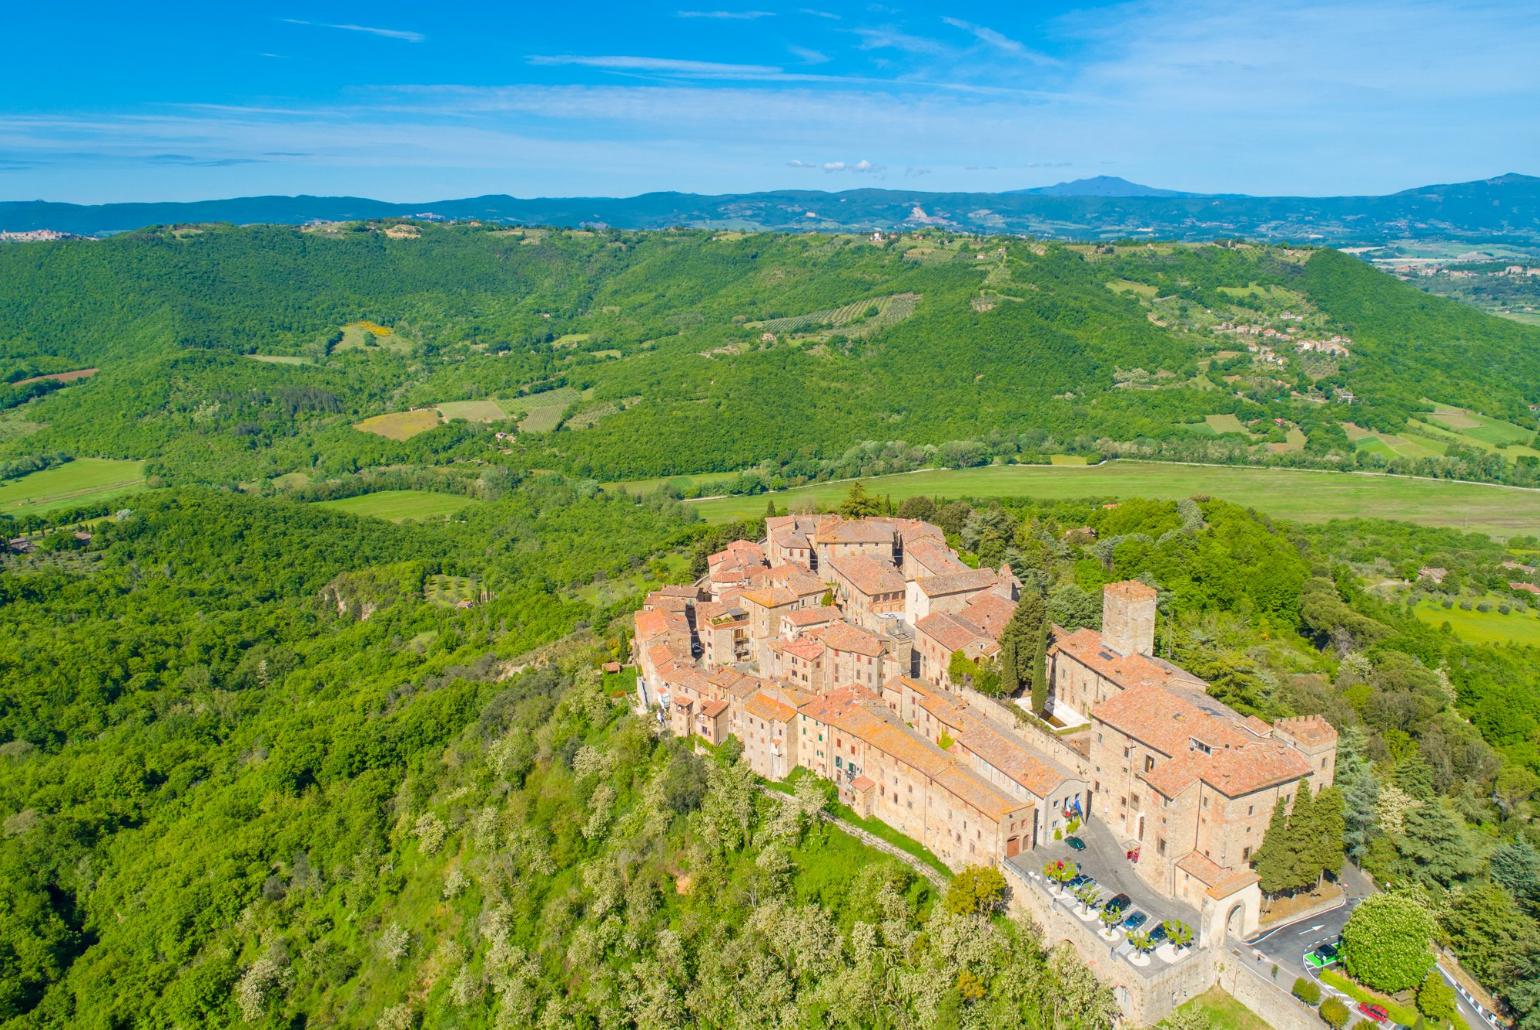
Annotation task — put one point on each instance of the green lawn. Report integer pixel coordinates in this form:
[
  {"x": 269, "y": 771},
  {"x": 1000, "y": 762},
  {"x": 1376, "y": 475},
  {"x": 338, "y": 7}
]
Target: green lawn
[
  {"x": 1224, "y": 1012},
  {"x": 1520, "y": 626},
  {"x": 400, "y": 505},
  {"x": 82, "y": 481},
  {"x": 1287, "y": 493}
]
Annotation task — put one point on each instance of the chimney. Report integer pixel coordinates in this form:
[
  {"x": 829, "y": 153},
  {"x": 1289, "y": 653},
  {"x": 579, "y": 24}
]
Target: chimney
[{"x": 1128, "y": 617}]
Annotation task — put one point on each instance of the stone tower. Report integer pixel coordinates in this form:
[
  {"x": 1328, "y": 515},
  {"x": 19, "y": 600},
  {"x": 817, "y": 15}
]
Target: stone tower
[{"x": 1128, "y": 617}]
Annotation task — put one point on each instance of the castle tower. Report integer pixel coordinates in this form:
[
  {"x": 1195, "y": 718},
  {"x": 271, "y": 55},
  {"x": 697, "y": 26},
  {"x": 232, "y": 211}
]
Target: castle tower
[{"x": 1128, "y": 617}]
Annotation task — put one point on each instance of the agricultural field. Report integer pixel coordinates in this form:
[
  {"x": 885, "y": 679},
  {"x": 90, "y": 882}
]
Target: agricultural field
[
  {"x": 708, "y": 482},
  {"x": 1299, "y": 494},
  {"x": 280, "y": 359},
  {"x": 448, "y": 591},
  {"x": 489, "y": 410},
  {"x": 82, "y": 481},
  {"x": 400, "y": 505},
  {"x": 541, "y": 412},
  {"x": 12, "y": 424},
  {"x": 1519, "y": 626},
  {"x": 399, "y": 425},
  {"x": 856, "y": 318},
  {"x": 1226, "y": 424}
]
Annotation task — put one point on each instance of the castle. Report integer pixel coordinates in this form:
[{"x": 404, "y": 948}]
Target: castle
[{"x": 858, "y": 691}]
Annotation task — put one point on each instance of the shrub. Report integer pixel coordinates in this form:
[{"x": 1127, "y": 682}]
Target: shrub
[
  {"x": 1335, "y": 1012},
  {"x": 1307, "y": 991},
  {"x": 1435, "y": 999},
  {"x": 977, "y": 889},
  {"x": 1385, "y": 943}
]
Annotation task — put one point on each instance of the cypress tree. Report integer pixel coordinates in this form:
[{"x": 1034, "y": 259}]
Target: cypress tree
[
  {"x": 1021, "y": 647},
  {"x": 1270, "y": 860},
  {"x": 1331, "y": 825},
  {"x": 1304, "y": 845}
]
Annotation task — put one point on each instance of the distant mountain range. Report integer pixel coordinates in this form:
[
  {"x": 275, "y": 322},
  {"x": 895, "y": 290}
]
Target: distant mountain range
[{"x": 1502, "y": 209}]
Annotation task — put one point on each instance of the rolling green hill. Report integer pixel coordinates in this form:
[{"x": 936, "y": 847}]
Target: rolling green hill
[{"x": 657, "y": 354}]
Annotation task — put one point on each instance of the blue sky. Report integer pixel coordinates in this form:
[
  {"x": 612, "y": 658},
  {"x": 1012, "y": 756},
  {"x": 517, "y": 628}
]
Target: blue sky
[{"x": 174, "y": 101}]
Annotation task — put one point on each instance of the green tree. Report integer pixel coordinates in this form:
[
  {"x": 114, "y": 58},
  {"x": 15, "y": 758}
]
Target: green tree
[
  {"x": 1022, "y": 645},
  {"x": 1328, "y": 829},
  {"x": 1436, "y": 1000},
  {"x": 976, "y": 890},
  {"x": 1272, "y": 860},
  {"x": 1386, "y": 942},
  {"x": 858, "y": 504},
  {"x": 1435, "y": 848},
  {"x": 1335, "y": 1013}
]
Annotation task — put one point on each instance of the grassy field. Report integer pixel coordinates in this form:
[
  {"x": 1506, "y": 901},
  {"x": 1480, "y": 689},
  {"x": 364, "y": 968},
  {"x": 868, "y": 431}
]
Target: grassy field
[
  {"x": 1226, "y": 424},
  {"x": 399, "y": 425},
  {"x": 1224, "y": 1012},
  {"x": 400, "y": 505},
  {"x": 82, "y": 481},
  {"x": 364, "y": 334},
  {"x": 1287, "y": 493},
  {"x": 1520, "y": 626},
  {"x": 280, "y": 359},
  {"x": 448, "y": 591},
  {"x": 709, "y": 482}
]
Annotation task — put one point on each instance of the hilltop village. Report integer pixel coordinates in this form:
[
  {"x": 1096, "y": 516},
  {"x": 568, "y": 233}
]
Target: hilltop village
[{"x": 827, "y": 646}]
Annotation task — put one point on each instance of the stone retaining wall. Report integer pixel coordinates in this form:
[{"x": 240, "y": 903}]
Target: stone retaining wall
[{"x": 1252, "y": 988}]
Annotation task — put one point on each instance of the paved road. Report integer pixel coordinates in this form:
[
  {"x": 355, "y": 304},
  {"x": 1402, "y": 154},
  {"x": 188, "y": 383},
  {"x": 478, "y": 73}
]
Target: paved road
[{"x": 1286, "y": 945}]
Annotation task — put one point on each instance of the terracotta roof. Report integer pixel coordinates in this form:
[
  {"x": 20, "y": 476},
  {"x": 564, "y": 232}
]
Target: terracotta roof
[
  {"x": 761, "y": 705},
  {"x": 818, "y": 615},
  {"x": 1310, "y": 730},
  {"x": 860, "y": 531},
  {"x": 712, "y": 709},
  {"x": 650, "y": 624},
  {"x": 951, "y": 632},
  {"x": 1237, "y": 762},
  {"x": 769, "y": 597},
  {"x": 842, "y": 636},
  {"x": 868, "y": 575},
  {"x": 861, "y": 714},
  {"x": 990, "y": 612},
  {"x": 793, "y": 577},
  {"x": 1131, "y": 590},
  {"x": 863, "y": 783},
  {"x": 965, "y": 582},
  {"x": 935, "y": 555},
  {"x": 740, "y": 552},
  {"x": 805, "y": 648},
  {"x": 1087, "y": 647},
  {"x": 1221, "y": 882}
]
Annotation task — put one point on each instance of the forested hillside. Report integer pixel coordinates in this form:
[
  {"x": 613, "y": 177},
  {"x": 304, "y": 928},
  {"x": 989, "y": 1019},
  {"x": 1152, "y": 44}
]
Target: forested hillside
[{"x": 243, "y": 356}]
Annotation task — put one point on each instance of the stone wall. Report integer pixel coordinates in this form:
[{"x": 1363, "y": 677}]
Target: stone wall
[
  {"x": 1272, "y": 1001},
  {"x": 1145, "y": 997},
  {"x": 1041, "y": 740}
]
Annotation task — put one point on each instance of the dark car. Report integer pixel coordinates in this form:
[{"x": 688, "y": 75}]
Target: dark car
[
  {"x": 1374, "y": 1012},
  {"x": 1158, "y": 934},
  {"x": 1135, "y": 921},
  {"x": 1075, "y": 843},
  {"x": 1322, "y": 957},
  {"x": 1117, "y": 903},
  {"x": 1080, "y": 881}
]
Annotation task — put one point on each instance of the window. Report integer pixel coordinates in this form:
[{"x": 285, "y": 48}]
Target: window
[
  {"x": 1149, "y": 764},
  {"x": 1246, "y": 853},
  {"x": 1160, "y": 845},
  {"x": 1251, "y": 809}
]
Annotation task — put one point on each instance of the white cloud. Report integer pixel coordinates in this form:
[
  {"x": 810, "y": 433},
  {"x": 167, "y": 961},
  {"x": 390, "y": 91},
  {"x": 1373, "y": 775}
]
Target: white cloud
[
  {"x": 665, "y": 65},
  {"x": 999, "y": 41},
  {"x": 809, "y": 55},
  {"x": 404, "y": 35},
  {"x": 727, "y": 15}
]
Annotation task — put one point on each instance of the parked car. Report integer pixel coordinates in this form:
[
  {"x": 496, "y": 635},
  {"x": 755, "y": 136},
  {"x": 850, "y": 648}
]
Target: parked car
[
  {"x": 1118, "y": 902},
  {"x": 1080, "y": 881},
  {"x": 1374, "y": 1012},
  {"x": 1158, "y": 935},
  {"x": 1135, "y": 921},
  {"x": 1075, "y": 843},
  {"x": 1321, "y": 957}
]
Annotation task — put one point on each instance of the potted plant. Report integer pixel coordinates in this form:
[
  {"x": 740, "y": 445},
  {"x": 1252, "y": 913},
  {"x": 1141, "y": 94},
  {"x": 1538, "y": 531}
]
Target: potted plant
[
  {"x": 1110, "y": 918},
  {"x": 1142, "y": 946},
  {"x": 1087, "y": 895},
  {"x": 1179, "y": 934},
  {"x": 1059, "y": 873}
]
